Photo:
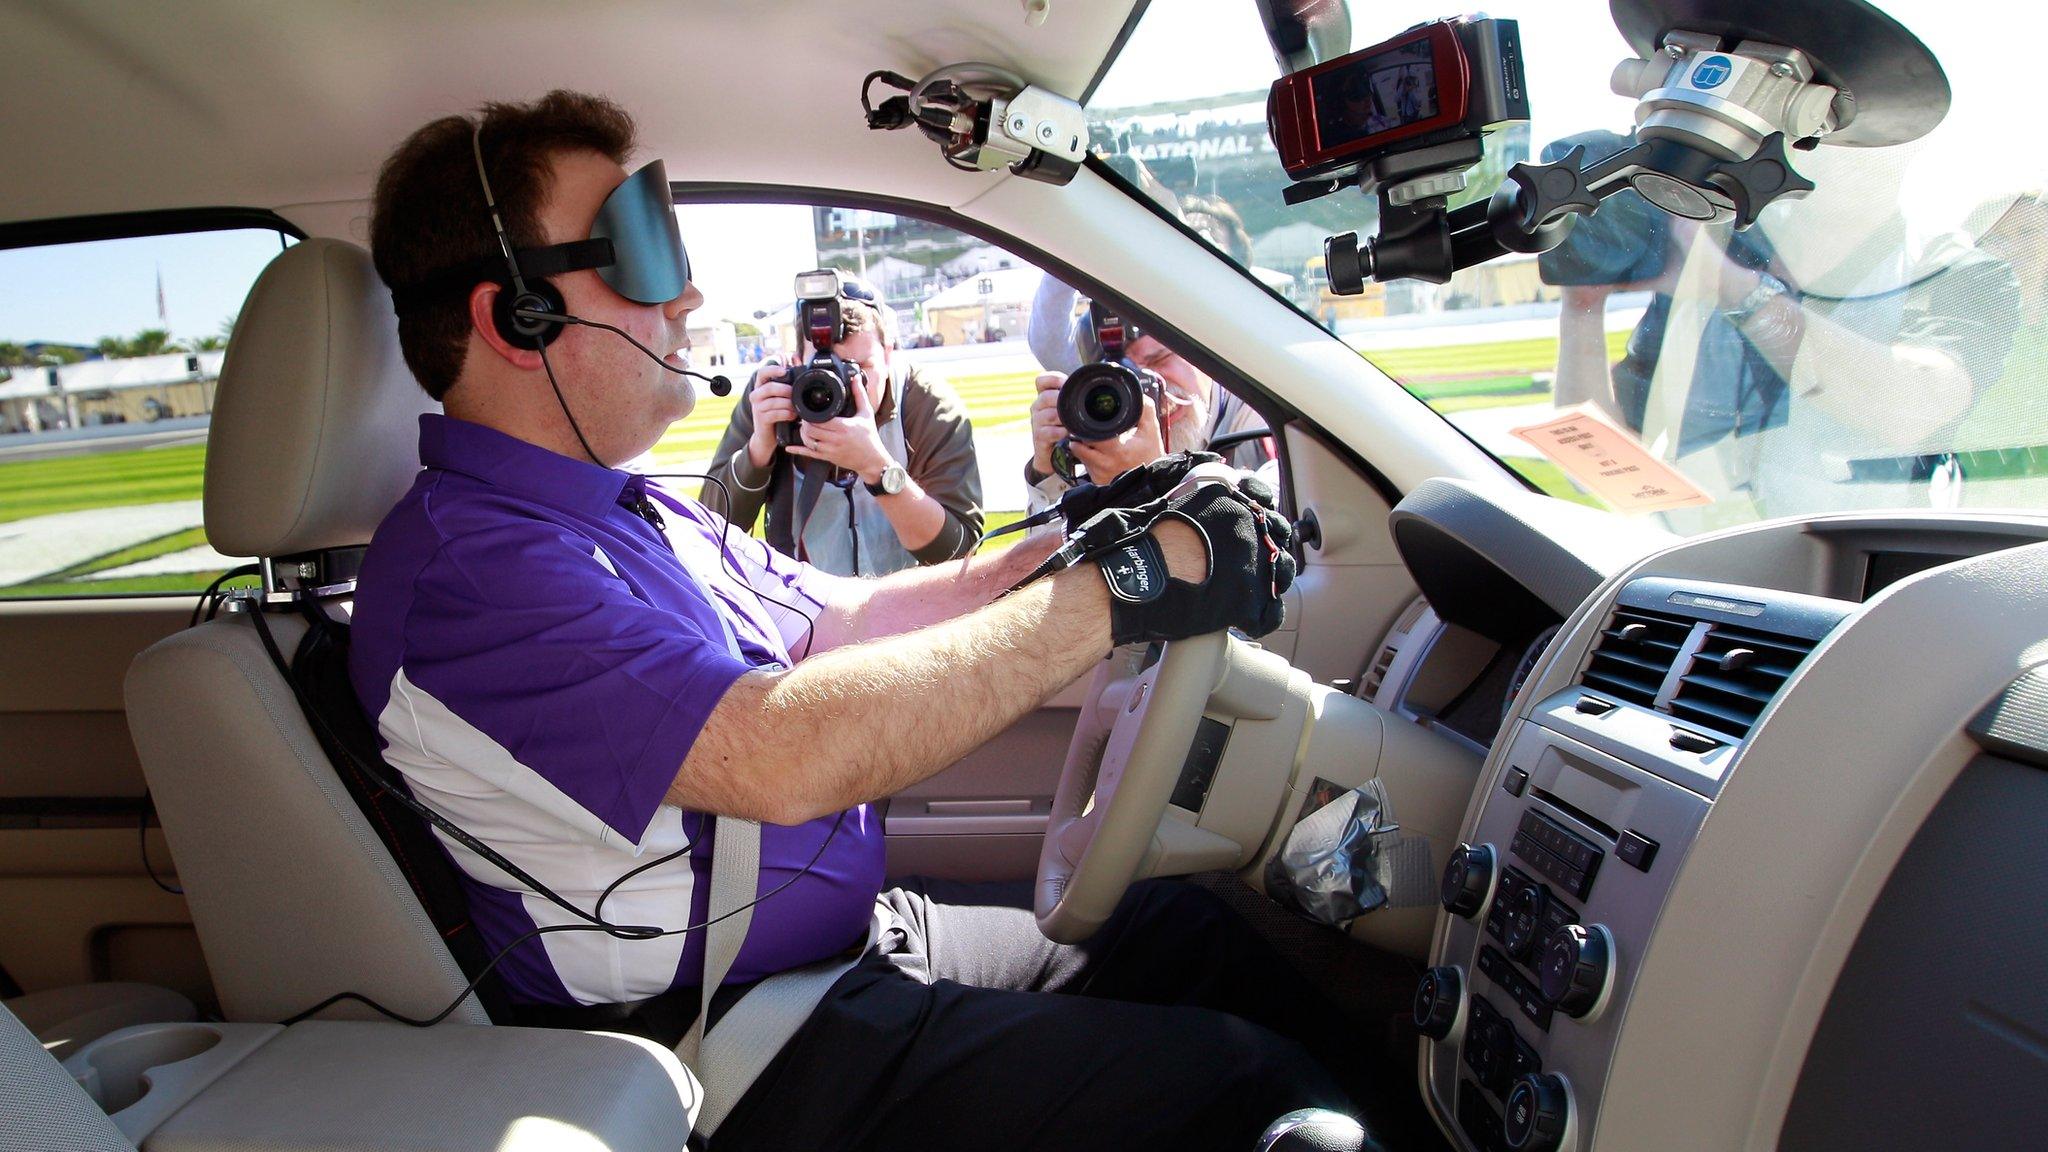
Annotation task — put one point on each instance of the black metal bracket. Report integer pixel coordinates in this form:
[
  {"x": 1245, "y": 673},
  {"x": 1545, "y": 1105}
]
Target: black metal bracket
[{"x": 1536, "y": 206}]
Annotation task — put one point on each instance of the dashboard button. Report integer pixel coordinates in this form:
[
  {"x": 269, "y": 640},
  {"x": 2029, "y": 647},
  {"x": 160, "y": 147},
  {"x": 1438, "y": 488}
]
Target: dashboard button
[
  {"x": 1557, "y": 914},
  {"x": 1636, "y": 850},
  {"x": 1524, "y": 1061},
  {"x": 1594, "y": 706},
  {"x": 1524, "y": 921},
  {"x": 1515, "y": 781}
]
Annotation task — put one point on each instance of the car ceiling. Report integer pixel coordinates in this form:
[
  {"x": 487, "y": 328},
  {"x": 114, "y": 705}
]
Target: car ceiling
[{"x": 114, "y": 106}]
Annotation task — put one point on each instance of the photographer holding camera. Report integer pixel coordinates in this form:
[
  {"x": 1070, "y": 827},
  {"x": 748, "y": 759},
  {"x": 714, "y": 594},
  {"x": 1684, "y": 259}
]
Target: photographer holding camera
[
  {"x": 865, "y": 465},
  {"x": 1178, "y": 408}
]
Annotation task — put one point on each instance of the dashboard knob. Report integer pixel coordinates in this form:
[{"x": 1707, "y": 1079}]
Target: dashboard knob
[
  {"x": 1467, "y": 879},
  {"x": 1539, "y": 1109},
  {"x": 1438, "y": 997},
  {"x": 1524, "y": 920},
  {"x": 1574, "y": 968}
]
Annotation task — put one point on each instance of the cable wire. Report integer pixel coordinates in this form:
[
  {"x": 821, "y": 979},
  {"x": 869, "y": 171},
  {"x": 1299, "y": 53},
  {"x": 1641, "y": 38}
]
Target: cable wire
[{"x": 594, "y": 919}]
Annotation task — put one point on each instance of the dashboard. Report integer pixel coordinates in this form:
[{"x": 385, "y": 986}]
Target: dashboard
[{"x": 1676, "y": 917}]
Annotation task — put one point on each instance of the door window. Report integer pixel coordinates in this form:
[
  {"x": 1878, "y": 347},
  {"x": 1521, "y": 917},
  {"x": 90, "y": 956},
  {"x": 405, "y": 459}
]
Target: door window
[{"x": 110, "y": 352}]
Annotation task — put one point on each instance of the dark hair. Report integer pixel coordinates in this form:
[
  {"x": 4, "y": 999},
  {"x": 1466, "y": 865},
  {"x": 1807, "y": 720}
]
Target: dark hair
[{"x": 428, "y": 213}]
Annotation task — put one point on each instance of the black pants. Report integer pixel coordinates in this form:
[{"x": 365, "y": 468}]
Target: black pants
[{"x": 965, "y": 1028}]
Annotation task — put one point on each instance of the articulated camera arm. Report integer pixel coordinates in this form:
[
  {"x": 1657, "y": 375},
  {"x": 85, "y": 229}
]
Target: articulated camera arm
[{"x": 1535, "y": 207}]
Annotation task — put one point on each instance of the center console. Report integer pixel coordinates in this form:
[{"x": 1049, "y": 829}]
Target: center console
[{"x": 1588, "y": 815}]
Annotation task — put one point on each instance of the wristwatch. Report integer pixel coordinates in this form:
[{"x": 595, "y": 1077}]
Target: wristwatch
[{"x": 894, "y": 478}]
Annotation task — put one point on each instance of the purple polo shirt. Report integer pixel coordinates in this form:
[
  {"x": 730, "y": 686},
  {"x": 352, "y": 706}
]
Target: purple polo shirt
[{"x": 537, "y": 659}]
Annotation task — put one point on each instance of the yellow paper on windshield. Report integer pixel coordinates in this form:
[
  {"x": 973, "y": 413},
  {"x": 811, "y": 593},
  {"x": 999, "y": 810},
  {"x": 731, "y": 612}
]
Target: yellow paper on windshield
[{"x": 1608, "y": 461}]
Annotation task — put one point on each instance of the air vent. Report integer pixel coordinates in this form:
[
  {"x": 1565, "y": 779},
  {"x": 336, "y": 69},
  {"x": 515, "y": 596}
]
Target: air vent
[
  {"x": 1378, "y": 675},
  {"x": 1634, "y": 655},
  {"x": 1734, "y": 677}
]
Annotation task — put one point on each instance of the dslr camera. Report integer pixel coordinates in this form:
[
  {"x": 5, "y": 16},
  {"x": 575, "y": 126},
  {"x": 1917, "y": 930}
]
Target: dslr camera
[
  {"x": 820, "y": 388},
  {"x": 1103, "y": 399}
]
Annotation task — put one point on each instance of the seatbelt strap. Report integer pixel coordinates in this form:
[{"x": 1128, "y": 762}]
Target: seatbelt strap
[
  {"x": 734, "y": 1054},
  {"x": 735, "y": 873},
  {"x": 755, "y": 1029}
]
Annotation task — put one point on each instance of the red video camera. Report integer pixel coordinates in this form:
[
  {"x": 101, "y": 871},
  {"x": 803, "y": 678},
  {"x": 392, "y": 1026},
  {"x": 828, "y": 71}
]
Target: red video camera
[{"x": 1434, "y": 84}]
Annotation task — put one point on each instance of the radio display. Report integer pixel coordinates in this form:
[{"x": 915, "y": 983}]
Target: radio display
[{"x": 1376, "y": 94}]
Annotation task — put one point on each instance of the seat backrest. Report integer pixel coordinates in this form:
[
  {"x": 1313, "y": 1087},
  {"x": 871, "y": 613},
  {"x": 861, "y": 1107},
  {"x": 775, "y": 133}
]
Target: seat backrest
[
  {"x": 41, "y": 1106},
  {"x": 291, "y": 890}
]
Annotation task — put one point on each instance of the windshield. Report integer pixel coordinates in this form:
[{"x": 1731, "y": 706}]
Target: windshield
[{"x": 1881, "y": 343}]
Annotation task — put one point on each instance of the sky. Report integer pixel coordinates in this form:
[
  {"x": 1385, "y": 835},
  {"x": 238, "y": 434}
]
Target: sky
[{"x": 744, "y": 255}]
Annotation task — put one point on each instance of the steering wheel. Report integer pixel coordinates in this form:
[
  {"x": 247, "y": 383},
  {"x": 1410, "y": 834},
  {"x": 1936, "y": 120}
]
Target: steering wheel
[{"x": 1116, "y": 782}]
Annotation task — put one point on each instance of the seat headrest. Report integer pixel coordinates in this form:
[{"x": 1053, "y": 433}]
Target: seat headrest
[{"x": 315, "y": 424}]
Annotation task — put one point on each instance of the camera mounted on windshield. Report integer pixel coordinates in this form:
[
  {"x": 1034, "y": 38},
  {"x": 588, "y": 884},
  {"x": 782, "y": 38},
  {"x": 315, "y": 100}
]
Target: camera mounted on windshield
[
  {"x": 1725, "y": 90},
  {"x": 820, "y": 388},
  {"x": 1104, "y": 398}
]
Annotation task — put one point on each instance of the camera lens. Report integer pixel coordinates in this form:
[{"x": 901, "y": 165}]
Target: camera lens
[
  {"x": 1100, "y": 402},
  {"x": 820, "y": 394},
  {"x": 1103, "y": 403}
]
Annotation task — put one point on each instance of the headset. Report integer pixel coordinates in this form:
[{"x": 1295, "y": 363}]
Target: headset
[{"x": 635, "y": 246}]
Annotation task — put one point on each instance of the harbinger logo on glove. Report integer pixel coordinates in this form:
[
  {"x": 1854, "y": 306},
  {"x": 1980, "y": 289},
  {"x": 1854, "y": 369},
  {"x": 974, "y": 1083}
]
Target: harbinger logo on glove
[{"x": 1250, "y": 560}]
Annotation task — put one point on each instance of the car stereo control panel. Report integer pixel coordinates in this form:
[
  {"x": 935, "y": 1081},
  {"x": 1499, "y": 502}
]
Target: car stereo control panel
[{"x": 1577, "y": 842}]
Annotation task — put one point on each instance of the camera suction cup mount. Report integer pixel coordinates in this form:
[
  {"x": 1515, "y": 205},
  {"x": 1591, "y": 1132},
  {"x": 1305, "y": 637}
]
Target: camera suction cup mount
[{"x": 1889, "y": 89}]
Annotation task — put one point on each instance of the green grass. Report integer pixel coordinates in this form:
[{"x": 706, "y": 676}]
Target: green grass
[
  {"x": 1435, "y": 390},
  {"x": 169, "y": 583},
  {"x": 997, "y": 520},
  {"x": 1551, "y": 480},
  {"x": 1494, "y": 400},
  {"x": 135, "y": 554},
  {"x": 100, "y": 480},
  {"x": 1471, "y": 361},
  {"x": 1451, "y": 378}
]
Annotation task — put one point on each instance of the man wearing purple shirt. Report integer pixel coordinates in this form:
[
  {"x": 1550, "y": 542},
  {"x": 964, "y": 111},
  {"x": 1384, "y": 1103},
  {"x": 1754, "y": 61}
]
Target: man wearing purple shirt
[{"x": 577, "y": 666}]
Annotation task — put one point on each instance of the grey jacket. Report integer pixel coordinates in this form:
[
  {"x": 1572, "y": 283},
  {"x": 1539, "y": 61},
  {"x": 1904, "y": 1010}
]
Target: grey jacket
[{"x": 940, "y": 444}]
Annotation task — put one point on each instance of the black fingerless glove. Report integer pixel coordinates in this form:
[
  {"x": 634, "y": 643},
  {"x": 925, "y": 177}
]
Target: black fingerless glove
[
  {"x": 1249, "y": 548},
  {"x": 1134, "y": 489},
  {"x": 1250, "y": 567}
]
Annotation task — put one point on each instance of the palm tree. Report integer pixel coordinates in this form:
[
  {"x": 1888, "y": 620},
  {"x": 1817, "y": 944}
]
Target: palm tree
[
  {"x": 227, "y": 326},
  {"x": 206, "y": 343},
  {"x": 12, "y": 355},
  {"x": 148, "y": 342},
  {"x": 152, "y": 342}
]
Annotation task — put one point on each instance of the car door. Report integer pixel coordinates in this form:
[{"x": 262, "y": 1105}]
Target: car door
[{"x": 110, "y": 343}]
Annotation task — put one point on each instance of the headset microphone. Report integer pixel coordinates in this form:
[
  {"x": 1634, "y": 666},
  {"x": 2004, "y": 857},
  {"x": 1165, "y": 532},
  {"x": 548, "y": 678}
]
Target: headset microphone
[{"x": 720, "y": 385}]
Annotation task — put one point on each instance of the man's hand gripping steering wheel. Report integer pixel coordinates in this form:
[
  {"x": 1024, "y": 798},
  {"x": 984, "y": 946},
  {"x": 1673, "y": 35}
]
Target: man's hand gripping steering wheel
[{"x": 1107, "y": 815}]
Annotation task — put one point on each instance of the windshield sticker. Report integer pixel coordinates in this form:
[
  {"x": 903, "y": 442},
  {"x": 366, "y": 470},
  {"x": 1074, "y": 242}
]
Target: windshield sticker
[{"x": 1609, "y": 462}]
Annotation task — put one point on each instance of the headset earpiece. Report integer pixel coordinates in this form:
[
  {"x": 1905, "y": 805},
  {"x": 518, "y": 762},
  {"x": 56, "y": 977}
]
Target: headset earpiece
[{"x": 521, "y": 331}]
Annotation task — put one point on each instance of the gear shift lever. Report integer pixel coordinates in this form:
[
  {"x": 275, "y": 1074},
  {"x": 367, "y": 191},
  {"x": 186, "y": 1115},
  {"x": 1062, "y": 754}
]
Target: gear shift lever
[{"x": 1316, "y": 1130}]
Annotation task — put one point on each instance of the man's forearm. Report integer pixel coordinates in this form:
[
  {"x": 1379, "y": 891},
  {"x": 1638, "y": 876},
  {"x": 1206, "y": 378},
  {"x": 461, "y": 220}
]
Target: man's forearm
[
  {"x": 919, "y": 597},
  {"x": 862, "y": 722}
]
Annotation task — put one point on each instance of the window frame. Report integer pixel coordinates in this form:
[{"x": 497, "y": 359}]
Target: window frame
[{"x": 54, "y": 231}]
